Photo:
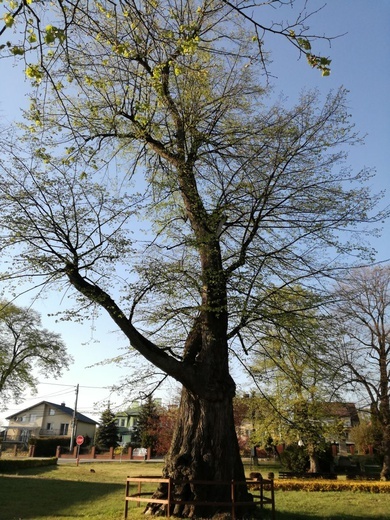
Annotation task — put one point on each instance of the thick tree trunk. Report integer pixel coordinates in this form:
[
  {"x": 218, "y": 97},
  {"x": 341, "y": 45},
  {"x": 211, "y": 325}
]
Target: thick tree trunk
[
  {"x": 313, "y": 460},
  {"x": 385, "y": 472},
  {"x": 205, "y": 448}
]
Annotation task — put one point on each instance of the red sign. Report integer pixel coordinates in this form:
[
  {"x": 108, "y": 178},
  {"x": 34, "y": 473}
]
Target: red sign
[{"x": 79, "y": 440}]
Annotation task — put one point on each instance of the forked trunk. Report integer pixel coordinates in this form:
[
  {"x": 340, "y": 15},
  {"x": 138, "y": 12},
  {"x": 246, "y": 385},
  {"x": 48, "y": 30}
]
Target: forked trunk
[{"x": 204, "y": 448}]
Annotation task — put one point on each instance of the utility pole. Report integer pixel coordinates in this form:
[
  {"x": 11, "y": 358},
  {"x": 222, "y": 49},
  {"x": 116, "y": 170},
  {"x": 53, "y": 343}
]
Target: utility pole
[{"x": 74, "y": 422}]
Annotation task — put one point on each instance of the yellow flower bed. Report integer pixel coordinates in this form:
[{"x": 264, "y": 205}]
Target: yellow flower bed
[{"x": 332, "y": 485}]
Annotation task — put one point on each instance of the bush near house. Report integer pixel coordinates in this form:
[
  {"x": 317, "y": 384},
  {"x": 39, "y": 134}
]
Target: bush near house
[
  {"x": 295, "y": 458},
  {"x": 47, "y": 446},
  {"x": 355, "y": 464}
]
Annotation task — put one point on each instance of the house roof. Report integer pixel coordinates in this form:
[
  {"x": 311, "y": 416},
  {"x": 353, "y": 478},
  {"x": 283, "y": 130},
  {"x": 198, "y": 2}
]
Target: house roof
[
  {"x": 341, "y": 410},
  {"x": 61, "y": 407},
  {"x": 130, "y": 412}
]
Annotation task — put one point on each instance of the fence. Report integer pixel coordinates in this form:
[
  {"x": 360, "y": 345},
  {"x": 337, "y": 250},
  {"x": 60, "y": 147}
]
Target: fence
[
  {"x": 260, "y": 485},
  {"x": 119, "y": 454}
]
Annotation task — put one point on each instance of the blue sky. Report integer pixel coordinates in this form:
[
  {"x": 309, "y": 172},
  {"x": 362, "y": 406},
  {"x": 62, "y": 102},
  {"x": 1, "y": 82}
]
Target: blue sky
[{"x": 360, "y": 63}]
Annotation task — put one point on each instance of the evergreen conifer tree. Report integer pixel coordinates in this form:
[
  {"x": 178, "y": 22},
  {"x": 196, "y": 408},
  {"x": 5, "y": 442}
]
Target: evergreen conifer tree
[
  {"x": 148, "y": 424},
  {"x": 107, "y": 434}
]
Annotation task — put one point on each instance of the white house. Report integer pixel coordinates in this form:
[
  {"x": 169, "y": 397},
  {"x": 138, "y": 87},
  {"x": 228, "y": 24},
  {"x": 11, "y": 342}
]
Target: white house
[{"x": 47, "y": 419}]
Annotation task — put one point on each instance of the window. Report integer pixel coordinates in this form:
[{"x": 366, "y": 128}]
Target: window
[
  {"x": 49, "y": 426},
  {"x": 64, "y": 427},
  {"x": 33, "y": 417},
  {"x": 24, "y": 418},
  {"x": 52, "y": 411}
]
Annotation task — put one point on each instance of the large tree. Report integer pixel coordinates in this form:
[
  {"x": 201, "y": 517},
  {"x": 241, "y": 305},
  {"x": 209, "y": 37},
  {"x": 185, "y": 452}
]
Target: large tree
[
  {"x": 25, "y": 349},
  {"x": 234, "y": 199},
  {"x": 363, "y": 355}
]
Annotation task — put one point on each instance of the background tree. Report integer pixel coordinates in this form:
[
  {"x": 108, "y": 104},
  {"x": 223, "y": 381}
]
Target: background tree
[
  {"x": 167, "y": 422},
  {"x": 107, "y": 433},
  {"x": 364, "y": 436},
  {"x": 236, "y": 200},
  {"x": 258, "y": 424},
  {"x": 148, "y": 424},
  {"x": 25, "y": 348},
  {"x": 364, "y": 353},
  {"x": 242, "y": 422},
  {"x": 293, "y": 371}
]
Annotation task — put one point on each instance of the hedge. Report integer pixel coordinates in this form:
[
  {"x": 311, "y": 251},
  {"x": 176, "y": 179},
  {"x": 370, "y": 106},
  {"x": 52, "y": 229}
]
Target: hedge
[
  {"x": 10, "y": 465},
  {"x": 47, "y": 446},
  {"x": 332, "y": 485}
]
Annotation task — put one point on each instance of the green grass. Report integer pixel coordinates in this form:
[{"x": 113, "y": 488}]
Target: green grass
[
  {"x": 69, "y": 491},
  {"x": 301, "y": 505}
]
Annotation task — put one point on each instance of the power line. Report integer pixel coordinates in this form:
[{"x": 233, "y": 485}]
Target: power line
[
  {"x": 73, "y": 386},
  {"x": 53, "y": 384}
]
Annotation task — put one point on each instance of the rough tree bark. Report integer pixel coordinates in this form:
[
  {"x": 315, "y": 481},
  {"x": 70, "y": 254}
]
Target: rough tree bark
[{"x": 204, "y": 448}]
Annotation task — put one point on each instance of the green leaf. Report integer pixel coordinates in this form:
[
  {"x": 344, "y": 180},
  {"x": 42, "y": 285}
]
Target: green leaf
[
  {"x": 17, "y": 51},
  {"x": 8, "y": 19}
]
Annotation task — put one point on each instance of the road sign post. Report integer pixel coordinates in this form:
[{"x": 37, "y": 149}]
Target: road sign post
[{"x": 79, "y": 442}]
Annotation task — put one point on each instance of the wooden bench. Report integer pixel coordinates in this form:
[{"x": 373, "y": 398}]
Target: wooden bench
[
  {"x": 265, "y": 488},
  {"x": 287, "y": 474}
]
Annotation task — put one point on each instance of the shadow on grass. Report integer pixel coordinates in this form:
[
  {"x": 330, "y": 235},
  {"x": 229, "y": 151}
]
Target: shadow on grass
[
  {"x": 26, "y": 472},
  {"x": 28, "y": 498}
]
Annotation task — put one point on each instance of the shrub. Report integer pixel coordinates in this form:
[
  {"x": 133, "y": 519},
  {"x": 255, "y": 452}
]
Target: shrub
[
  {"x": 295, "y": 458},
  {"x": 346, "y": 464},
  {"x": 332, "y": 485},
  {"x": 11, "y": 465},
  {"x": 47, "y": 446}
]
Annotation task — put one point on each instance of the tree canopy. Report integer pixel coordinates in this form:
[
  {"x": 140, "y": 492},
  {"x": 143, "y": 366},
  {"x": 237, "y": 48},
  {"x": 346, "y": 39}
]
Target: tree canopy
[
  {"x": 294, "y": 372},
  {"x": 26, "y": 350}
]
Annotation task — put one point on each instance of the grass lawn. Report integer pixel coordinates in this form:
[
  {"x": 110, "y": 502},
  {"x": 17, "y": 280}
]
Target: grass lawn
[
  {"x": 305, "y": 505},
  {"x": 67, "y": 492}
]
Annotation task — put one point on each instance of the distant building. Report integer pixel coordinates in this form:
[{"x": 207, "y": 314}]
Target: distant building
[
  {"x": 127, "y": 424},
  {"x": 346, "y": 415},
  {"x": 46, "y": 419},
  {"x": 336, "y": 417}
]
